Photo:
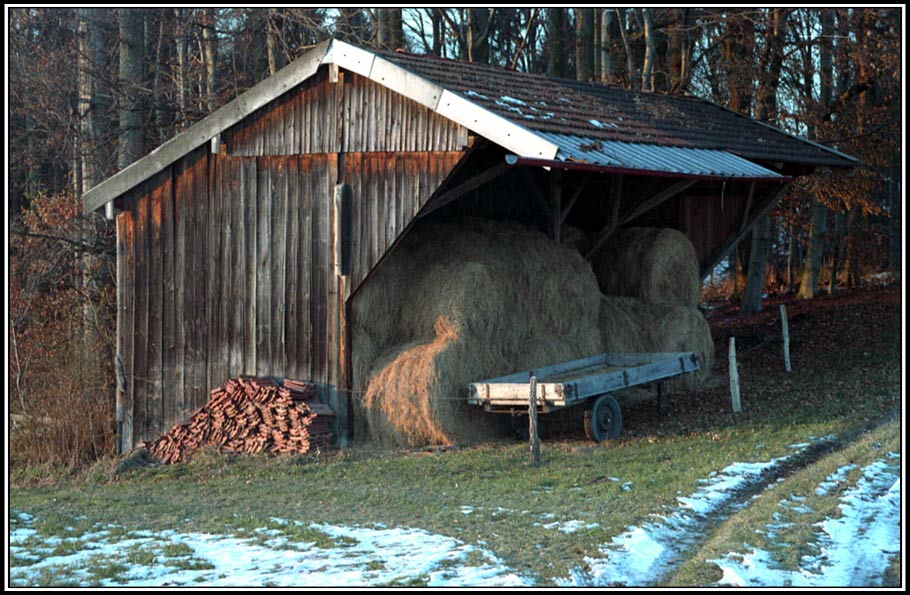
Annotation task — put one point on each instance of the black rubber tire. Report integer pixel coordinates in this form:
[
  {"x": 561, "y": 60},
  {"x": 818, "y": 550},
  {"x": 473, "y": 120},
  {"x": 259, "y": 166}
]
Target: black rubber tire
[{"x": 603, "y": 419}]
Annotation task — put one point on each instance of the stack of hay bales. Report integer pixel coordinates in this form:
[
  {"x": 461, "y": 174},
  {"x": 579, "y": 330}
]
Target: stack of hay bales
[
  {"x": 652, "y": 284},
  {"x": 457, "y": 302}
]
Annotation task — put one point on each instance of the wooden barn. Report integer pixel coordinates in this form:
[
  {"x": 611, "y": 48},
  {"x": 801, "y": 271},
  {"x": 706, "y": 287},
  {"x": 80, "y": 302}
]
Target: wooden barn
[{"x": 242, "y": 242}]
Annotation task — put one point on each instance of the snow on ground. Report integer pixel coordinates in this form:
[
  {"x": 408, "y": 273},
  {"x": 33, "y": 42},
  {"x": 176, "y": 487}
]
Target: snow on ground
[
  {"x": 357, "y": 556},
  {"x": 642, "y": 555},
  {"x": 854, "y": 549}
]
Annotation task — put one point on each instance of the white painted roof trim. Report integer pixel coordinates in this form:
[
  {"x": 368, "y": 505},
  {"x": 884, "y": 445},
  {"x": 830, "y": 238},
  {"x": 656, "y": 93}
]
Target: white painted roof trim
[{"x": 447, "y": 104}]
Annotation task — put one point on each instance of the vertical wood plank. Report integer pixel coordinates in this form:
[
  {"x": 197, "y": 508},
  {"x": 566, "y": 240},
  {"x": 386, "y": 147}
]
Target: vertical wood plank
[
  {"x": 290, "y": 285},
  {"x": 139, "y": 376},
  {"x": 279, "y": 259},
  {"x": 236, "y": 287},
  {"x": 250, "y": 197},
  {"x": 181, "y": 273},
  {"x": 129, "y": 320},
  {"x": 304, "y": 266},
  {"x": 199, "y": 351},
  {"x": 168, "y": 310},
  {"x": 264, "y": 264},
  {"x": 123, "y": 245},
  {"x": 161, "y": 193}
]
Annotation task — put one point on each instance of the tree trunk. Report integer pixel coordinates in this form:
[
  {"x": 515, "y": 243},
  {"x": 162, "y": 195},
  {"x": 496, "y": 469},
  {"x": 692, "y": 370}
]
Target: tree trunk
[
  {"x": 584, "y": 44},
  {"x": 815, "y": 250},
  {"x": 738, "y": 54},
  {"x": 271, "y": 40},
  {"x": 210, "y": 47},
  {"x": 556, "y": 42},
  {"x": 131, "y": 78},
  {"x": 755, "y": 278},
  {"x": 851, "y": 264},
  {"x": 809, "y": 283},
  {"x": 631, "y": 69},
  {"x": 835, "y": 251},
  {"x": 606, "y": 44},
  {"x": 792, "y": 257},
  {"x": 647, "y": 69},
  {"x": 769, "y": 69},
  {"x": 181, "y": 47}
]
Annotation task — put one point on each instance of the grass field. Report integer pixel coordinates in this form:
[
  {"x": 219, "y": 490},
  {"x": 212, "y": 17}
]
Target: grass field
[{"x": 840, "y": 407}]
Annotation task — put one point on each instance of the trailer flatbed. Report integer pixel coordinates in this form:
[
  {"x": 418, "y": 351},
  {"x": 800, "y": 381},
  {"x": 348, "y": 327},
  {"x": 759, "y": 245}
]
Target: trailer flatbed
[{"x": 587, "y": 381}]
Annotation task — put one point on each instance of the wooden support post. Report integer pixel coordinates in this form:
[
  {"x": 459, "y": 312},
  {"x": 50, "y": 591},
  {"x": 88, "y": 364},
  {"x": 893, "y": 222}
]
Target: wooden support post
[
  {"x": 734, "y": 378},
  {"x": 555, "y": 188},
  {"x": 785, "y": 328},
  {"x": 532, "y": 423}
]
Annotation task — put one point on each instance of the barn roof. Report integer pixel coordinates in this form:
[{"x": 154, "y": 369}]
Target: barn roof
[
  {"x": 568, "y": 108},
  {"x": 541, "y": 120}
]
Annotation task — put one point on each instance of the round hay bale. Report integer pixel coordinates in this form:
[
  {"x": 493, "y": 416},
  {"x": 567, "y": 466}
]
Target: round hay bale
[
  {"x": 473, "y": 299},
  {"x": 657, "y": 265},
  {"x": 630, "y": 325}
]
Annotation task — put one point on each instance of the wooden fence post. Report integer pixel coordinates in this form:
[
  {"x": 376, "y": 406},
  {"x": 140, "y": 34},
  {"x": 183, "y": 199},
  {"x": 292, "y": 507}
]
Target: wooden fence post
[
  {"x": 734, "y": 378},
  {"x": 532, "y": 421},
  {"x": 785, "y": 327}
]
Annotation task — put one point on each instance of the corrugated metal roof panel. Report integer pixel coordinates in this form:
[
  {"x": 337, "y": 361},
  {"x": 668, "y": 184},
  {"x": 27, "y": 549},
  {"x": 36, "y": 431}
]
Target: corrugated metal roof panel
[{"x": 657, "y": 158}]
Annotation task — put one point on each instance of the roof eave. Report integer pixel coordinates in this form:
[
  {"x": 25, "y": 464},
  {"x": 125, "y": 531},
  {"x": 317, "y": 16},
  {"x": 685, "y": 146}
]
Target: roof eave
[
  {"x": 614, "y": 169},
  {"x": 447, "y": 104}
]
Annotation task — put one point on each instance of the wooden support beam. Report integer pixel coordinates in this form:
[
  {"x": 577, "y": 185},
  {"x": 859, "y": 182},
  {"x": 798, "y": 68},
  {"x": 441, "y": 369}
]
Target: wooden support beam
[
  {"x": 555, "y": 191},
  {"x": 535, "y": 191},
  {"x": 748, "y": 207},
  {"x": 616, "y": 199},
  {"x": 463, "y": 188},
  {"x": 760, "y": 209},
  {"x": 573, "y": 198},
  {"x": 639, "y": 209},
  {"x": 650, "y": 203}
]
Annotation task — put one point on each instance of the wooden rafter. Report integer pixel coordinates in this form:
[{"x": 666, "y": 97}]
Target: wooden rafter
[
  {"x": 465, "y": 187},
  {"x": 638, "y": 210},
  {"x": 762, "y": 207}
]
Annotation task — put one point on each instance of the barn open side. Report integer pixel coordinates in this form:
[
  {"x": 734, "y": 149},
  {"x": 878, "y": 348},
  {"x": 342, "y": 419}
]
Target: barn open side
[{"x": 243, "y": 242}]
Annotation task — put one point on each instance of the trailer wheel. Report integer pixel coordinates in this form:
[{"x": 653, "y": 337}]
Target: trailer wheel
[{"x": 603, "y": 419}]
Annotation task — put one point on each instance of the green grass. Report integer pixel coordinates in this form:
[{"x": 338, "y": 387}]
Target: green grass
[{"x": 834, "y": 390}]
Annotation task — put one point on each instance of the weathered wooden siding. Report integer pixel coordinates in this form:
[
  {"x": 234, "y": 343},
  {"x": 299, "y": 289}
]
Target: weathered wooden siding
[
  {"x": 226, "y": 261},
  {"x": 388, "y": 189},
  {"x": 707, "y": 219},
  {"x": 227, "y": 267},
  {"x": 353, "y": 115}
]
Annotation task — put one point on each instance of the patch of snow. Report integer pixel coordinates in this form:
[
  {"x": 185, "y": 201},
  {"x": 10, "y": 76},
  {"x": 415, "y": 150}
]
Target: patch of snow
[
  {"x": 834, "y": 480},
  {"x": 365, "y": 556},
  {"x": 467, "y": 509},
  {"x": 641, "y": 555},
  {"x": 596, "y": 123},
  {"x": 476, "y": 94},
  {"x": 508, "y": 99},
  {"x": 571, "y": 526},
  {"x": 509, "y": 107},
  {"x": 855, "y": 548}
]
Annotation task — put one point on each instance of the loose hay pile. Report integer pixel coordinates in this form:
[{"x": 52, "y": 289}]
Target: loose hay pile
[
  {"x": 657, "y": 265},
  {"x": 458, "y": 302},
  {"x": 251, "y": 415}
]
